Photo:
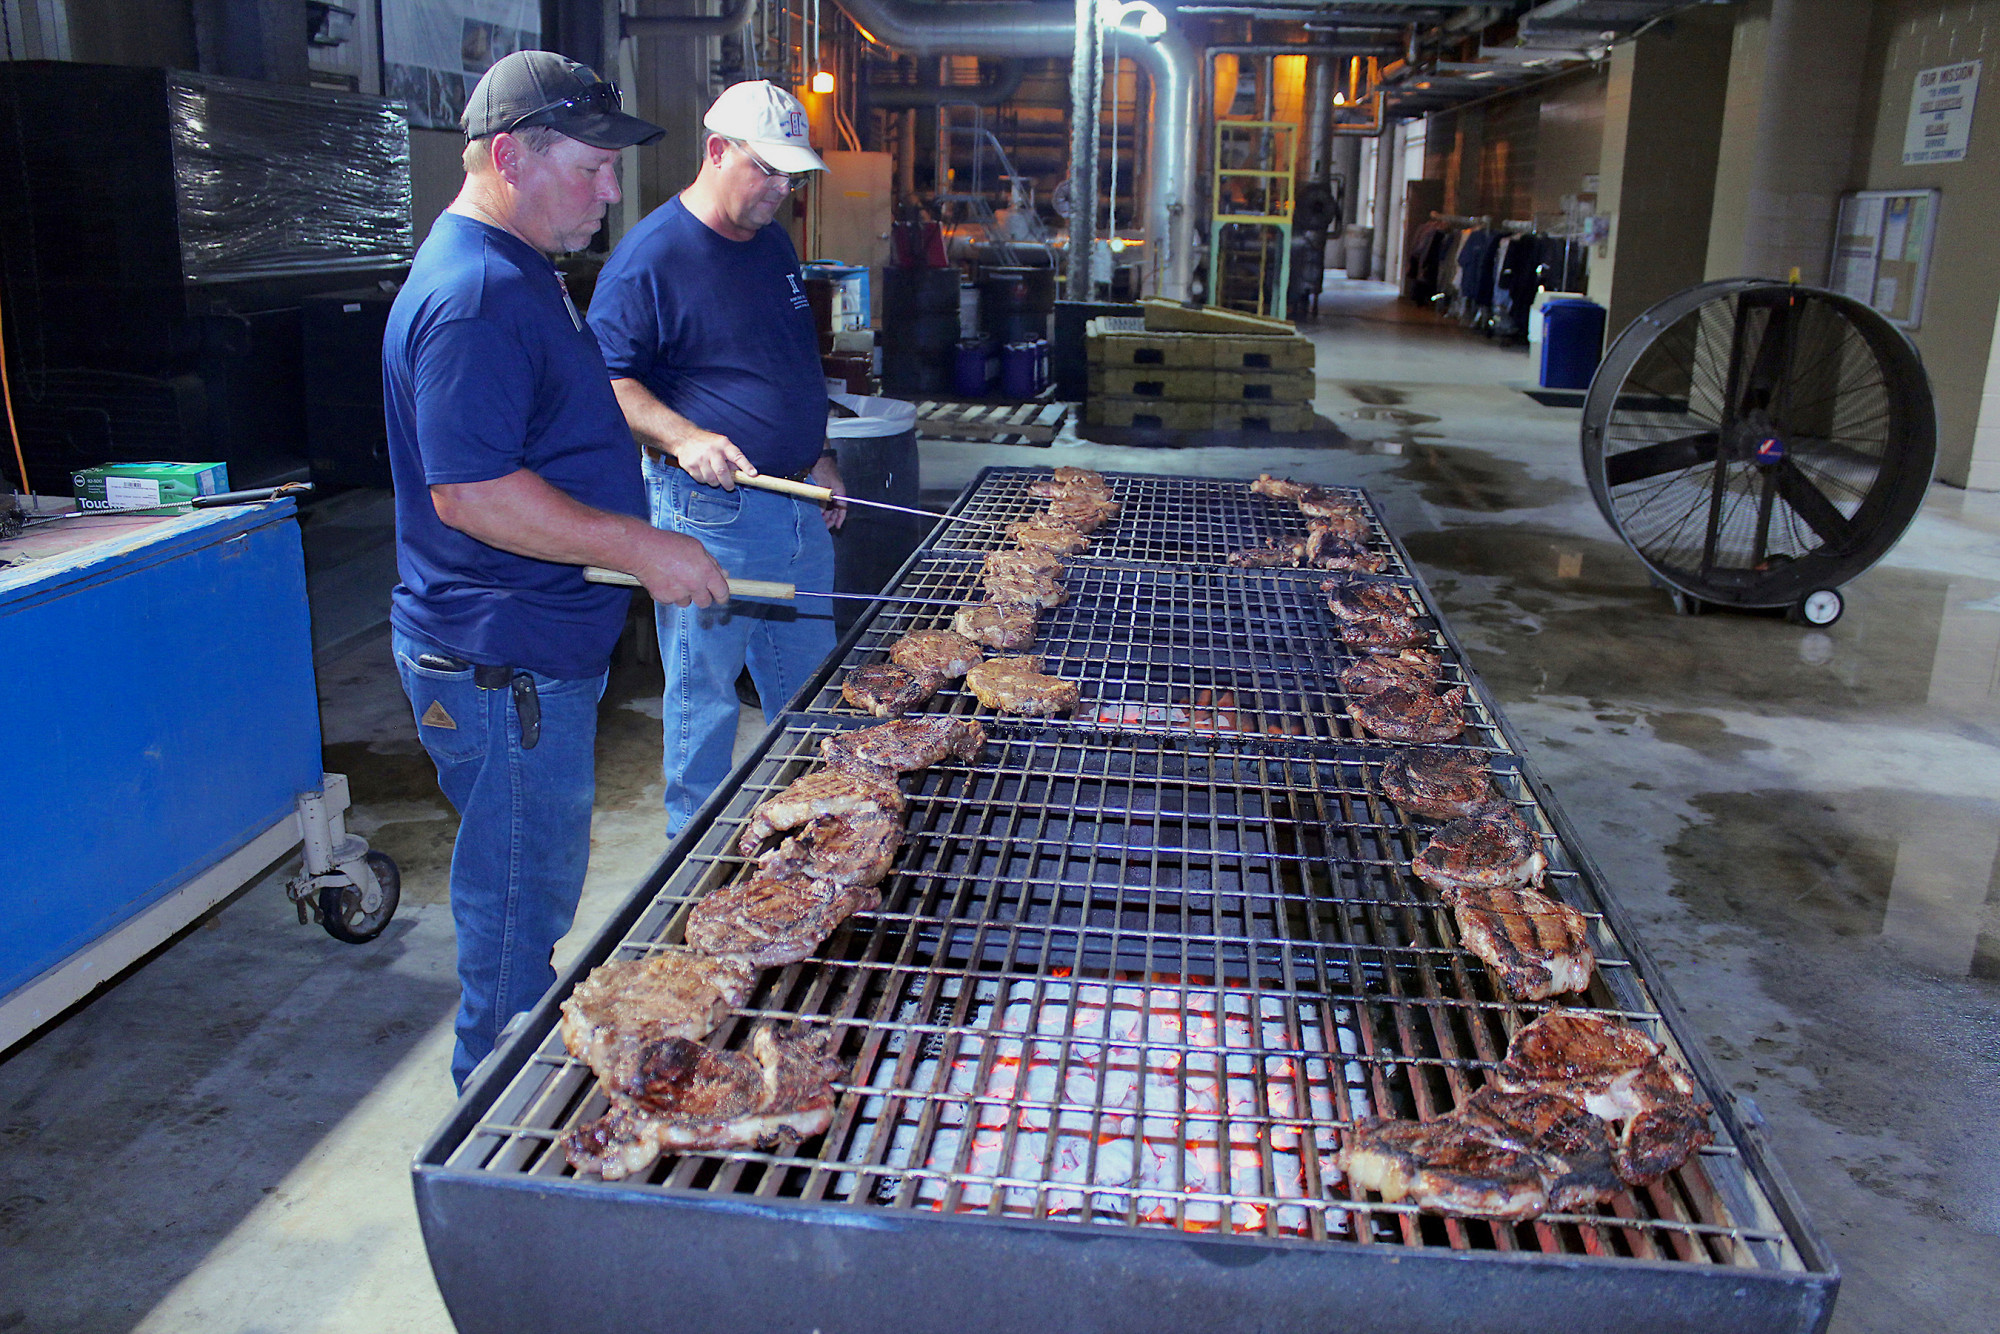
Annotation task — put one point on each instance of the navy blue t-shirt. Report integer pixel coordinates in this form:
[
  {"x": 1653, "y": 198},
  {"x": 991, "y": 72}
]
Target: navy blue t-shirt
[
  {"x": 718, "y": 330},
  {"x": 486, "y": 370}
]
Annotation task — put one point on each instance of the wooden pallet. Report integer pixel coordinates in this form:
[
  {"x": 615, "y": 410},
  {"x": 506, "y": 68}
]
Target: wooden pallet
[
  {"x": 1181, "y": 385},
  {"x": 1032, "y": 423}
]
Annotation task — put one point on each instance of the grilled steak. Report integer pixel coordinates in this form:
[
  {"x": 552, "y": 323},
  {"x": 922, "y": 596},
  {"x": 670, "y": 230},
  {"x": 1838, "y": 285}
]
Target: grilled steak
[
  {"x": 821, "y": 792},
  {"x": 848, "y": 849},
  {"x": 1001, "y": 625},
  {"x": 626, "y": 1007},
  {"x": 1352, "y": 600},
  {"x": 1493, "y": 850},
  {"x": 1277, "y": 555},
  {"x": 1547, "y": 1123},
  {"x": 887, "y": 690},
  {"x": 1279, "y": 488},
  {"x": 1617, "y": 1073},
  {"x": 686, "y": 1098},
  {"x": 1327, "y": 550},
  {"x": 939, "y": 651},
  {"x": 1382, "y": 632},
  {"x": 1071, "y": 482},
  {"x": 1345, "y": 524},
  {"x": 1320, "y": 504},
  {"x": 1084, "y": 477},
  {"x": 1027, "y": 590},
  {"x": 1017, "y": 685},
  {"x": 906, "y": 744},
  {"x": 1023, "y": 561},
  {"x": 1441, "y": 1166},
  {"x": 1411, "y": 667},
  {"x": 1442, "y": 784},
  {"x": 1536, "y": 946},
  {"x": 1034, "y": 534},
  {"x": 1403, "y": 713},
  {"x": 1082, "y": 511},
  {"x": 770, "y": 920}
]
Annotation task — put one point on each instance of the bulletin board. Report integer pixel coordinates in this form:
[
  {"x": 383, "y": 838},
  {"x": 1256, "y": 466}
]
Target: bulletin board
[
  {"x": 1882, "y": 251},
  {"x": 433, "y": 51}
]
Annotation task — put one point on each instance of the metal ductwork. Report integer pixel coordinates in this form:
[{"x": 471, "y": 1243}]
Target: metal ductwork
[
  {"x": 897, "y": 97},
  {"x": 985, "y": 28},
  {"x": 735, "y": 13}
]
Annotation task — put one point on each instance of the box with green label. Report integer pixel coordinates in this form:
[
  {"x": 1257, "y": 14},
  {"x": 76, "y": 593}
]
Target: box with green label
[{"x": 143, "y": 486}]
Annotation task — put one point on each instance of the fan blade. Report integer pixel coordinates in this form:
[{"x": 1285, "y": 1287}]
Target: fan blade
[
  {"x": 1765, "y": 369},
  {"x": 1807, "y": 501},
  {"x": 1636, "y": 465}
]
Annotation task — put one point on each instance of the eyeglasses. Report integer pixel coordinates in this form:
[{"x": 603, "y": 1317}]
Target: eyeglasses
[
  {"x": 792, "y": 182},
  {"x": 600, "y": 98}
]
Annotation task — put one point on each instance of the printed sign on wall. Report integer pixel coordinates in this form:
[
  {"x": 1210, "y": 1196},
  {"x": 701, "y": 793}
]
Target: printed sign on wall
[
  {"x": 1941, "y": 113},
  {"x": 433, "y": 51}
]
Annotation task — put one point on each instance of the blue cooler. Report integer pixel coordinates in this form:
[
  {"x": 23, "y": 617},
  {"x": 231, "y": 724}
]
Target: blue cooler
[{"x": 1572, "y": 342}]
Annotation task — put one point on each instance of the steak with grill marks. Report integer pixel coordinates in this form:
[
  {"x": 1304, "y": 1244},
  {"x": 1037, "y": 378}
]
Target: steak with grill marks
[
  {"x": 940, "y": 651},
  {"x": 1023, "y": 561},
  {"x": 1320, "y": 504},
  {"x": 1025, "y": 589},
  {"x": 1038, "y": 535},
  {"x": 1492, "y": 850},
  {"x": 908, "y": 743},
  {"x": 1618, "y": 1073},
  {"x": 1017, "y": 685},
  {"x": 1082, "y": 511},
  {"x": 625, "y": 1007},
  {"x": 1382, "y": 632},
  {"x": 1536, "y": 946},
  {"x": 686, "y": 1098},
  {"x": 1347, "y": 524},
  {"x": 854, "y": 849},
  {"x": 888, "y": 690},
  {"x": 769, "y": 920},
  {"x": 1280, "y": 488},
  {"x": 1327, "y": 550},
  {"x": 1441, "y": 784},
  {"x": 821, "y": 792},
  {"x": 1278, "y": 555},
  {"x": 1410, "y": 667},
  {"x": 1001, "y": 625},
  {"x": 1405, "y": 713},
  {"x": 1366, "y": 600}
]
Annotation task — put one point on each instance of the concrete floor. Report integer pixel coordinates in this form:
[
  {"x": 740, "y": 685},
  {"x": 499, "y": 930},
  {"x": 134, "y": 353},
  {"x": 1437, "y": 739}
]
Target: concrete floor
[{"x": 1804, "y": 825}]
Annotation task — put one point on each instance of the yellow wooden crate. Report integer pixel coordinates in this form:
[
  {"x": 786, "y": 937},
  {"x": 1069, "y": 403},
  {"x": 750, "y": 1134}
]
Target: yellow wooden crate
[
  {"x": 1169, "y": 383},
  {"x": 1160, "y": 414},
  {"x": 1260, "y": 416},
  {"x": 1261, "y": 387},
  {"x": 1262, "y": 353},
  {"x": 1139, "y": 349},
  {"x": 1164, "y": 316}
]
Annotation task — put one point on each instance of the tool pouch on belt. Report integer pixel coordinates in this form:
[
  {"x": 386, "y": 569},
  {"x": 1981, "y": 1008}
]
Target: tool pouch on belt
[{"x": 527, "y": 704}]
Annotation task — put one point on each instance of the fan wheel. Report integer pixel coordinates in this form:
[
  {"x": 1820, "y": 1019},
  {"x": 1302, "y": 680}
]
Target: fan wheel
[{"x": 1756, "y": 443}]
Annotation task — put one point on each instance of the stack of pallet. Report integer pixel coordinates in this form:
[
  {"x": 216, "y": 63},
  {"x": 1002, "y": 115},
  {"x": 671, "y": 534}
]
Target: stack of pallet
[{"x": 1197, "y": 370}]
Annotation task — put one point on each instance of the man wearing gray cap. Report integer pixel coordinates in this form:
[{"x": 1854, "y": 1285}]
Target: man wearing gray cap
[
  {"x": 702, "y": 317},
  {"x": 514, "y": 469}
]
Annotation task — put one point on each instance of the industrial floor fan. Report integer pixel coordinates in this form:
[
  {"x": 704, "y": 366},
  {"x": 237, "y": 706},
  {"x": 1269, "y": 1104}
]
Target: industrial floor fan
[{"x": 1758, "y": 444}]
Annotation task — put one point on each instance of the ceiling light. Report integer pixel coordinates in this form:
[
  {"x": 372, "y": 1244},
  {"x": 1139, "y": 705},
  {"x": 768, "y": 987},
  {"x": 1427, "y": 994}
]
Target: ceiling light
[{"x": 823, "y": 81}]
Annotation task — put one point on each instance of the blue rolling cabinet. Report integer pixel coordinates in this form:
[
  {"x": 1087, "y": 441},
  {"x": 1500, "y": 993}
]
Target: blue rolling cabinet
[{"x": 162, "y": 748}]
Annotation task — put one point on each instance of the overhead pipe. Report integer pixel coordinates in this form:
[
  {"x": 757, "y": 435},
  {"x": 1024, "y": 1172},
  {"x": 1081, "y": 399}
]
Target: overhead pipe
[
  {"x": 900, "y": 97},
  {"x": 990, "y": 28},
  {"x": 735, "y": 13}
]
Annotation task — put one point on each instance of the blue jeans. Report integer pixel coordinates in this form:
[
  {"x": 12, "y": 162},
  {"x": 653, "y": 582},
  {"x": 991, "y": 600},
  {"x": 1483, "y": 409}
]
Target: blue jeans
[
  {"x": 523, "y": 832},
  {"x": 752, "y": 535}
]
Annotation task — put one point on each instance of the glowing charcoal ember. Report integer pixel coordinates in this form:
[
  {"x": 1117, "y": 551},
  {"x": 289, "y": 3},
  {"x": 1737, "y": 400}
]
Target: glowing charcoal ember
[{"x": 1094, "y": 1102}]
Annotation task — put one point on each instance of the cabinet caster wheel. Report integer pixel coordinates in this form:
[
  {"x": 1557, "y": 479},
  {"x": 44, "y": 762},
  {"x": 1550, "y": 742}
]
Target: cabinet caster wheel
[
  {"x": 340, "y": 909},
  {"x": 1820, "y": 607}
]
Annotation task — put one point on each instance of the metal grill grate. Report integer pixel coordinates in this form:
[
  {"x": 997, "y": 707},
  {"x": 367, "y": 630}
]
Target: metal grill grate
[
  {"x": 1165, "y": 520},
  {"x": 1140, "y": 982},
  {"x": 1239, "y": 652}
]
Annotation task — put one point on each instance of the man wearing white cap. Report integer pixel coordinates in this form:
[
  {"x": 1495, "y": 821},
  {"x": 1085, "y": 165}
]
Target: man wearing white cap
[{"x": 702, "y": 317}]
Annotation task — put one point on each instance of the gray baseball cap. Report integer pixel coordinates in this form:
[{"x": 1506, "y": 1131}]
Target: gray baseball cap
[{"x": 543, "y": 88}]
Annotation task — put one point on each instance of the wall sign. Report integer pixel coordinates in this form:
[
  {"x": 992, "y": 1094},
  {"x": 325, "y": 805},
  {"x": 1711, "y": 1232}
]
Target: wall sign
[
  {"x": 433, "y": 51},
  {"x": 1882, "y": 251},
  {"x": 1941, "y": 113}
]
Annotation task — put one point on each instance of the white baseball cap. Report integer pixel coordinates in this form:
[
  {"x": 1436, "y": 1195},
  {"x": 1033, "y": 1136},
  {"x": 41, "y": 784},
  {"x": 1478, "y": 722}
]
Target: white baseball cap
[{"x": 769, "y": 119}]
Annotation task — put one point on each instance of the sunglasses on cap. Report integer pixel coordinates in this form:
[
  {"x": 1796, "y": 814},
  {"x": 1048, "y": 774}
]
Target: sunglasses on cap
[
  {"x": 792, "y": 182},
  {"x": 600, "y": 98}
]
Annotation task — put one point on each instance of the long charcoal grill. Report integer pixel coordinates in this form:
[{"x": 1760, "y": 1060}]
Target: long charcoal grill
[
  {"x": 1124, "y": 994},
  {"x": 1165, "y": 650}
]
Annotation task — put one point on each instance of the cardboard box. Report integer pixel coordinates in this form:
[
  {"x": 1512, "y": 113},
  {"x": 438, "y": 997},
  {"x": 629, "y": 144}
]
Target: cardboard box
[{"x": 145, "y": 486}]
